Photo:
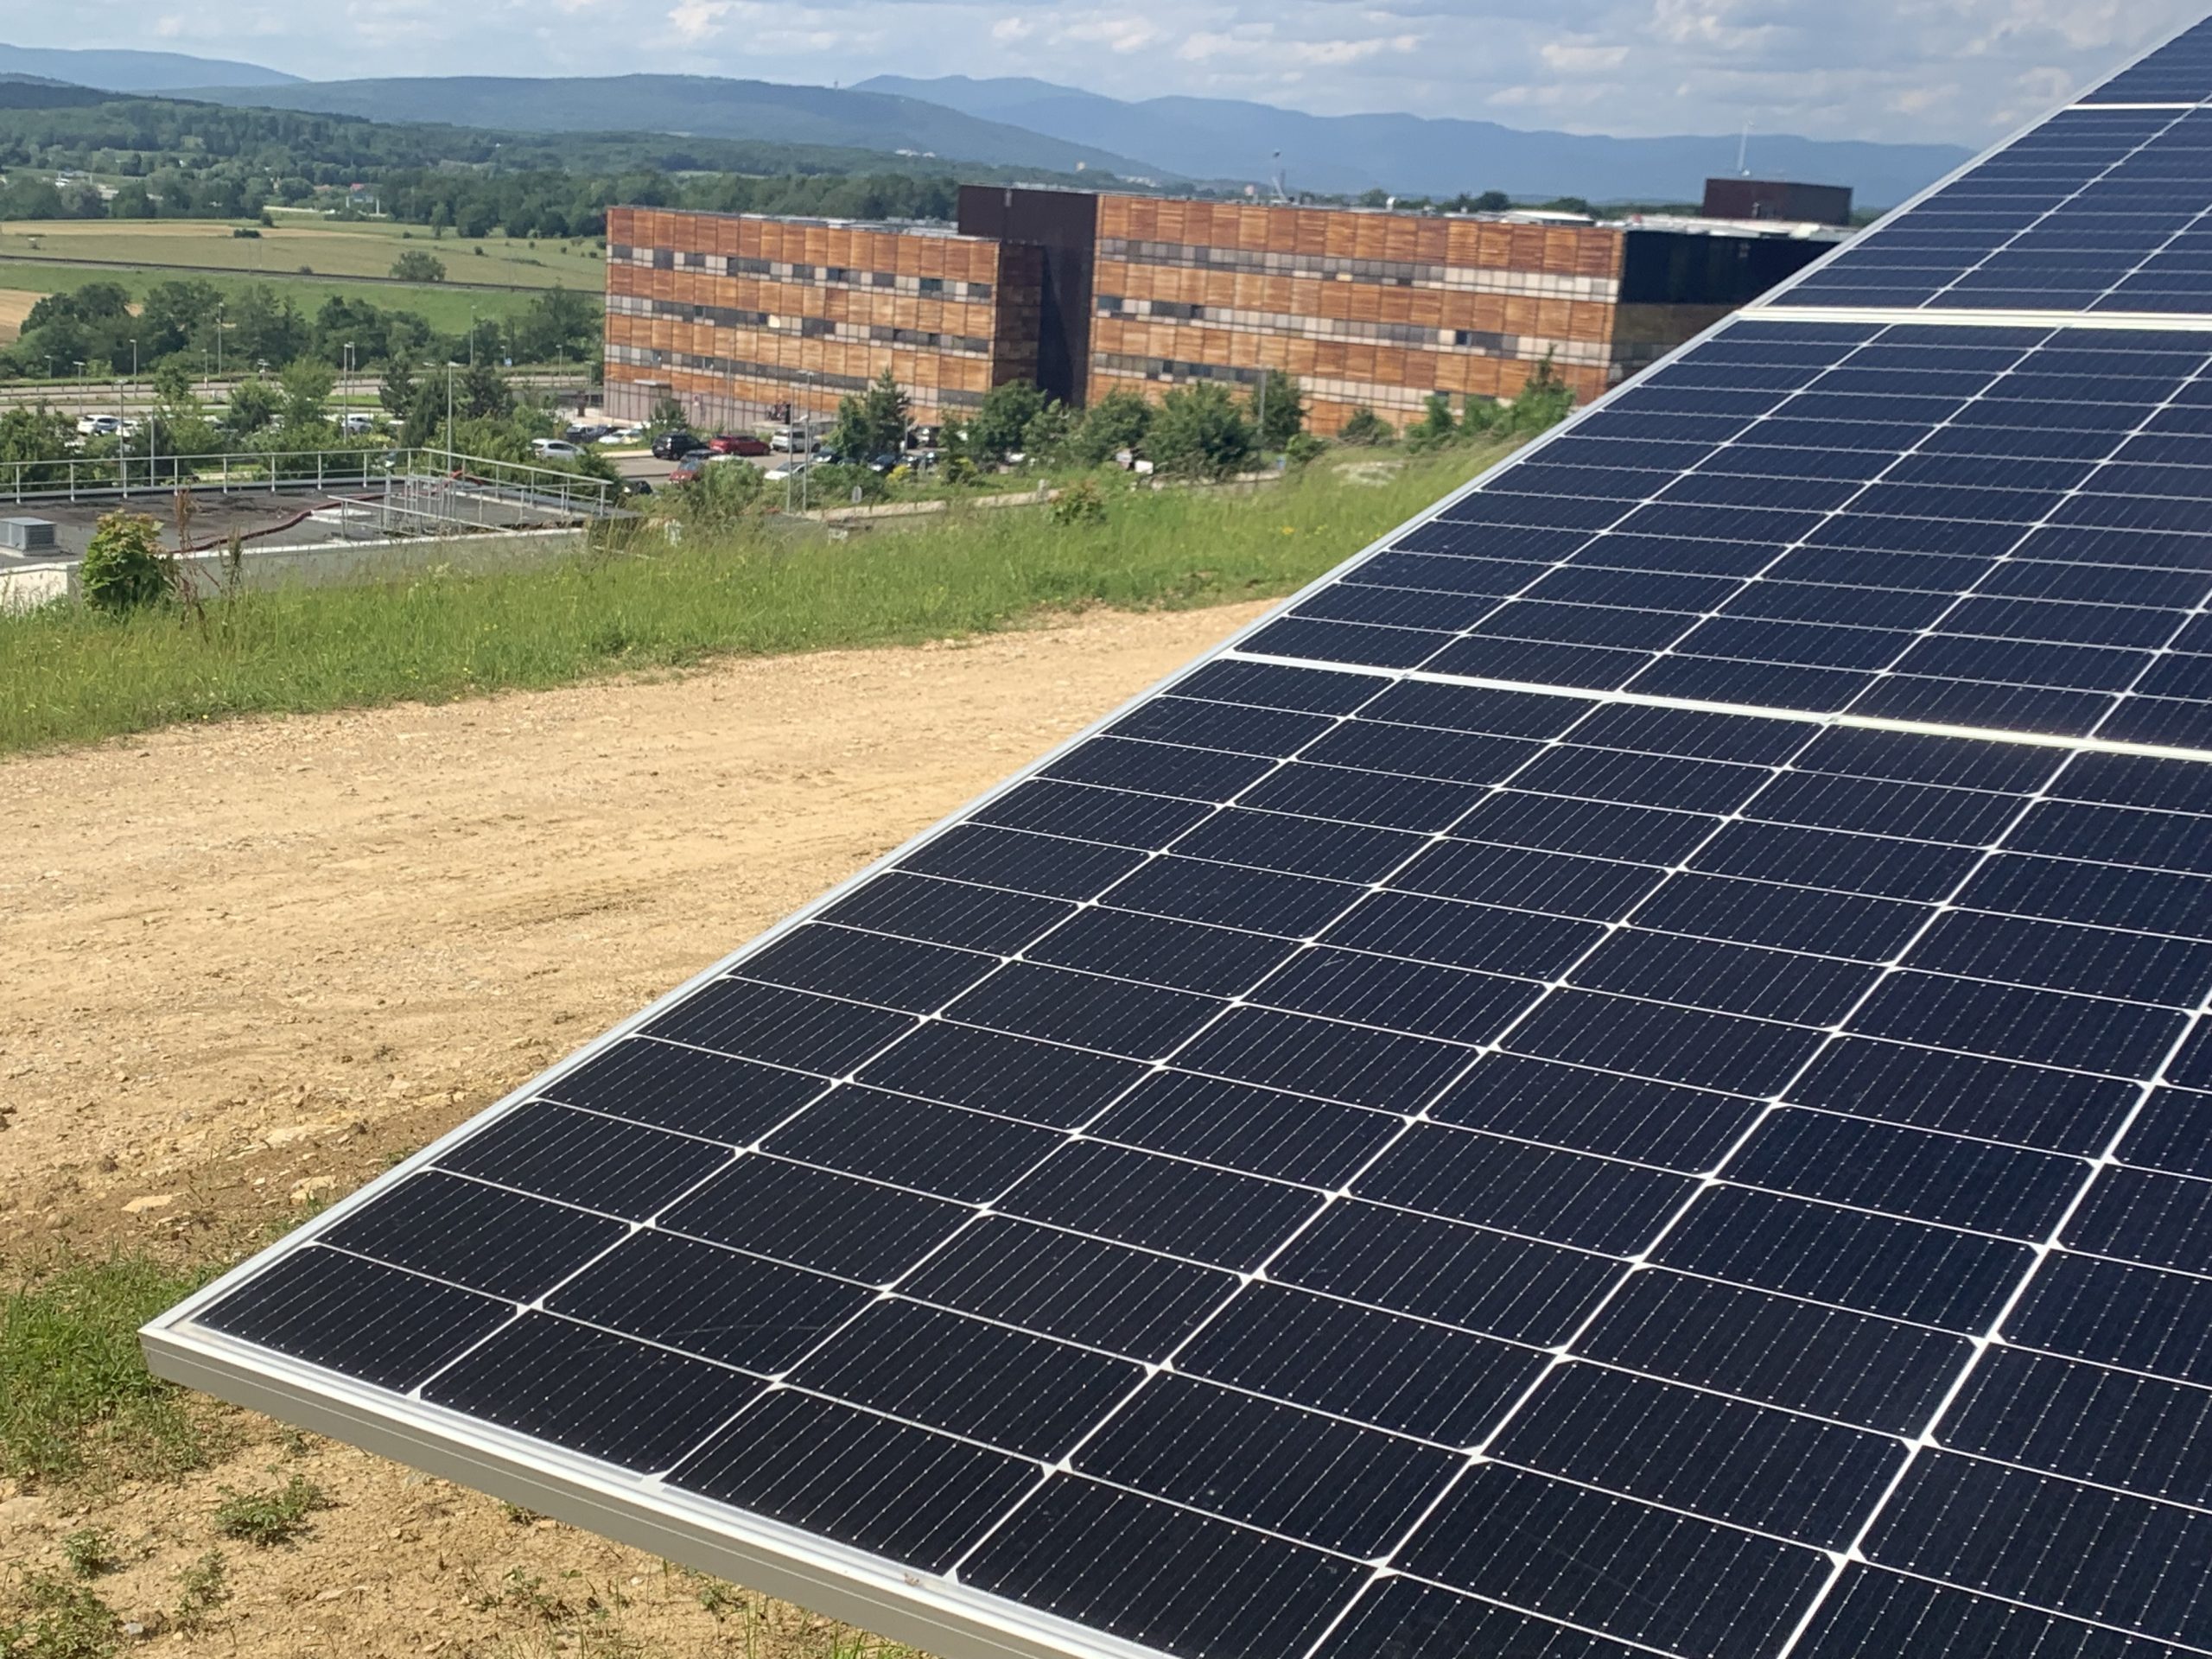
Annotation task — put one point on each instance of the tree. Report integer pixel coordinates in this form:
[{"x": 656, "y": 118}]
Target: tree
[
  {"x": 396, "y": 391},
  {"x": 1199, "y": 432},
  {"x": 668, "y": 415},
  {"x": 252, "y": 407},
  {"x": 1492, "y": 201},
  {"x": 306, "y": 386},
  {"x": 995, "y": 430},
  {"x": 1116, "y": 421},
  {"x": 123, "y": 569},
  {"x": 34, "y": 446},
  {"x": 1365, "y": 428},
  {"x": 177, "y": 316},
  {"x": 1046, "y": 437},
  {"x": 560, "y": 323},
  {"x": 1436, "y": 427},
  {"x": 874, "y": 423},
  {"x": 1278, "y": 410},
  {"x": 416, "y": 266}
]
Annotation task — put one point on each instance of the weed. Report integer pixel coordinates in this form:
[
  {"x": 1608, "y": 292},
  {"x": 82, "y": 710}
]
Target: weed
[
  {"x": 525, "y": 1592},
  {"x": 272, "y": 1518},
  {"x": 723, "y": 1599},
  {"x": 516, "y": 1516},
  {"x": 91, "y": 1553},
  {"x": 76, "y": 1399},
  {"x": 67, "y": 675},
  {"x": 202, "y": 1587},
  {"x": 59, "y": 1620}
]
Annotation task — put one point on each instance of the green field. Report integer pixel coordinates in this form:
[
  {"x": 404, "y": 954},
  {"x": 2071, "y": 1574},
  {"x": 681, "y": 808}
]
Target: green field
[
  {"x": 448, "y": 310},
  {"x": 70, "y": 675},
  {"x": 328, "y": 248}
]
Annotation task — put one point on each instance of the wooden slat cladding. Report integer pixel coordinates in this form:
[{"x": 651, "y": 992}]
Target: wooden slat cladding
[{"x": 739, "y": 315}]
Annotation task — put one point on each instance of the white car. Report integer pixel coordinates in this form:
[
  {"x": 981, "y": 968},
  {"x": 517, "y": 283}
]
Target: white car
[
  {"x": 788, "y": 469},
  {"x": 355, "y": 425},
  {"x": 98, "y": 426},
  {"x": 554, "y": 449}
]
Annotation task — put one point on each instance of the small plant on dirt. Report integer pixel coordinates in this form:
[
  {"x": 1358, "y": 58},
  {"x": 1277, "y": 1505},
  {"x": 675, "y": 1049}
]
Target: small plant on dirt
[
  {"x": 59, "y": 1620},
  {"x": 515, "y": 1516},
  {"x": 91, "y": 1553},
  {"x": 722, "y": 1600},
  {"x": 123, "y": 569},
  {"x": 525, "y": 1592},
  {"x": 272, "y": 1518},
  {"x": 201, "y": 1588}
]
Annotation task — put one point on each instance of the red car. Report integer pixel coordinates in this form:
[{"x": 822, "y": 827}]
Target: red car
[
  {"x": 736, "y": 443},
  {"x": 687, "y": 470}
]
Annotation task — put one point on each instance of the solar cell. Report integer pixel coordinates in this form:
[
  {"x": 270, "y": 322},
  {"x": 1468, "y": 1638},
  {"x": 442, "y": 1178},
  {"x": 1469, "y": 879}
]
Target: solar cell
[{"x": 1625, "y": 1077}]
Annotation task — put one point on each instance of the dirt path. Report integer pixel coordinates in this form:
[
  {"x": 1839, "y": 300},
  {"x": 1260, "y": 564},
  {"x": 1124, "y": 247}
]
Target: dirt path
[{"x": 247, "y": 966}]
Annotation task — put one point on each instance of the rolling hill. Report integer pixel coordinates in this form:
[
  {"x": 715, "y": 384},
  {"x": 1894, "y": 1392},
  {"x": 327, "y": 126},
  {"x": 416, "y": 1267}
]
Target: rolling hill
[
  {"x": 134, "y": 72},
  {"x": 1226, "y": 138},
  {"x": 700, "y": 105}
]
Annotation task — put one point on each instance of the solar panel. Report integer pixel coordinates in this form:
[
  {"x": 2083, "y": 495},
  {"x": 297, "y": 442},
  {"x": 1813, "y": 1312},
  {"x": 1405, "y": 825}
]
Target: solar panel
[{"x": 1626, "y": 1074}]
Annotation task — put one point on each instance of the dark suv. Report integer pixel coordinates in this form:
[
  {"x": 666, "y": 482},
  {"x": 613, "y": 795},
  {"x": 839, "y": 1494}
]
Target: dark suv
[{"x": 674, "y": 445}]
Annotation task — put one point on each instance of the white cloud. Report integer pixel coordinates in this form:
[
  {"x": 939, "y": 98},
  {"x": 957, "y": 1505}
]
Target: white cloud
[{"x": 1955, "y": 70}]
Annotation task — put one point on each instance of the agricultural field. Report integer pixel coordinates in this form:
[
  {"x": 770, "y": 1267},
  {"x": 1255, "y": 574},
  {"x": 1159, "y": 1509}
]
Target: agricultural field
[
  {"x": 450, "y": 310},
  {"x": 326, "y": 248}
]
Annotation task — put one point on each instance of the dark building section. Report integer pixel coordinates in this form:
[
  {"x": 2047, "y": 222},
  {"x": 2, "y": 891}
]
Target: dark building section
[
  {"x": 1681, "y": 267},
  {"x": 1064, "y": 225},
  {"x": 1808, "y": 204}
]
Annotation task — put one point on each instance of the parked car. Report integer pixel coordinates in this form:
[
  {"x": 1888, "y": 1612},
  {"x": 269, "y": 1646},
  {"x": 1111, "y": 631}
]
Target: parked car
[
  {"x": 623, "y": 432},
  {"x": 737, "y": 443},
  {"x": 884, "y": 463},
  {"x": 580, "y": 433},
  {"x": 635, "y": 486},
  {"x": 688, "y": 469},
  {"x": 792, "y": 468},
  {"x": 924, "y": 437},
  {"x": 554, "y": 449},
  {"x": 357, "y": 424},
  {"x": 98, "y": 426},
  {"x": 674, "y": 445}
]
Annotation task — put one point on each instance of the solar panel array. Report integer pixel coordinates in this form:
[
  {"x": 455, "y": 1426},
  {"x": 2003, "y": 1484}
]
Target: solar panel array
[{"x": 1627, "y": 1077}]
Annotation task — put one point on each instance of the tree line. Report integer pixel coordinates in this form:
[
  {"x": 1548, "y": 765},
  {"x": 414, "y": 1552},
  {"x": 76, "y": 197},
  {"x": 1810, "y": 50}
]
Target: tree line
[{"x": 192, "y": 322}]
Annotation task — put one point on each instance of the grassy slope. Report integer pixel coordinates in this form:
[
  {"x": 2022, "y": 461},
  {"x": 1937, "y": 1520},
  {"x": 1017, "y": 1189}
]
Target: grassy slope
[
  {"x": 67, "y": 676},
  {"x": 331, "y": 249}
]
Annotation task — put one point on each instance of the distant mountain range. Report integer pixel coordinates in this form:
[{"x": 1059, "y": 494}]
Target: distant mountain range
[
  {"x": 700, "y": 105},
  {"x": 1224, "y": 139},
  {"x": 1024, "y": 124},
  {"x": 135, "y": 71}
]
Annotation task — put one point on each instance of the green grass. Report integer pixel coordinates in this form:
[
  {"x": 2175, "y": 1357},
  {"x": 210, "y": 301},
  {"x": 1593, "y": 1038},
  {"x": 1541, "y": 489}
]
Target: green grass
[
  {"x": 76, "y": 1399},
  {"x": 447, "y": 309},
  {"x": 67, "y": 675},
  {"x": 333, "y": 248}
]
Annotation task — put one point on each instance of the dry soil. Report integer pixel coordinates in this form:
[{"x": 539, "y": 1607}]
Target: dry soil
[{"x": 249, "y": 965}]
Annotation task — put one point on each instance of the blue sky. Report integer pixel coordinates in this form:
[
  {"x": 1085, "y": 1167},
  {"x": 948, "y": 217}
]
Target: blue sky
[{"x": 1956, "y": 69}]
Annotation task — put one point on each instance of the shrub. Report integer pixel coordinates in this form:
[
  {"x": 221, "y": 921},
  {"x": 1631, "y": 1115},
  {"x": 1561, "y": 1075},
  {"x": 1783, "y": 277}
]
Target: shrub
[
  {"x": 1080, "y": 504},
  {"x": 1366, "y": 429},
  {"x": 1199, "y": 432},
  {"x": 1304, "y": 448},
  {"x": 124, "y": 568},
  {"x": 416, "y": 266}
]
